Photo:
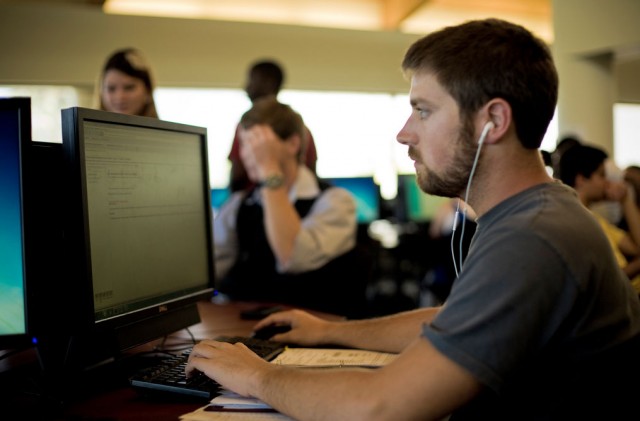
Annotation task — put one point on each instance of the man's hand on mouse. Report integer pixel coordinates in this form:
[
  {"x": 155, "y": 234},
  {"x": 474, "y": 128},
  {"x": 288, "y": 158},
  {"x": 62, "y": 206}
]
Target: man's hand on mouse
[
  {"x": 270, "y": 331},
  {"x": 306, "y": 329}
]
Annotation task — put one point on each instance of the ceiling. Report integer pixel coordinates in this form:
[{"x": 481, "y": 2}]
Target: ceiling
[{"x": 410, "y": 16}]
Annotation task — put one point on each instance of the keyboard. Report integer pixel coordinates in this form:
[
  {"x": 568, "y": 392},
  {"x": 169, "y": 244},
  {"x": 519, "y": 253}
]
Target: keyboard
[{"x": 168, "y": 375}]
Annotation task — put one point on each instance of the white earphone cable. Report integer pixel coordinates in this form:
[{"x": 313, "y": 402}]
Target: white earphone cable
[{"x": 486, "y": 129}]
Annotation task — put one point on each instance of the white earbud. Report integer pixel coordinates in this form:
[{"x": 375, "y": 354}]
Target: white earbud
[{"x": 485, "y": 130}]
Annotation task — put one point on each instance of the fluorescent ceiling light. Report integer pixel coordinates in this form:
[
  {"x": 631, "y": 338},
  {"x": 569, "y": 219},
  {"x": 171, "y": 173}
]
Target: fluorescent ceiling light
[
  {"x": 347, "y": 14},
  {"x": 353, "y": 14}
]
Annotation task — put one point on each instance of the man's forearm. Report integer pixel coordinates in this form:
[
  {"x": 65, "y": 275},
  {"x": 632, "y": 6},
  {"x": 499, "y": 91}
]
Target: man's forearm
[{"x": 387, "y": 334}]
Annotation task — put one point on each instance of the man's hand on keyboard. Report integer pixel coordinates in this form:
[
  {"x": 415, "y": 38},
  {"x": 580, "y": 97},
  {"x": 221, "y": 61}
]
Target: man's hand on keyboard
[{"x": 234, "y": 366}]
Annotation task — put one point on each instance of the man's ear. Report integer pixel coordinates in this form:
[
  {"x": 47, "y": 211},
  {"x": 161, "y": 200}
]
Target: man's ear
[{"x": 498, "y": 111}]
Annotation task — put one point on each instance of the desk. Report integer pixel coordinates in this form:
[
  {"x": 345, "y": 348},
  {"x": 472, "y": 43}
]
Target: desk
[{"x": 114, "y": 399}]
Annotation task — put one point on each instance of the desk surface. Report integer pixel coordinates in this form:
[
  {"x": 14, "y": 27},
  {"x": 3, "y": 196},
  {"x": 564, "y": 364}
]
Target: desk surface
[{"x": 116, "y": 400}]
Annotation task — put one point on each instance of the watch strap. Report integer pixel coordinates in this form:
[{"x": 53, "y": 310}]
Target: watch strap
[{"x": 272, "y": 181}]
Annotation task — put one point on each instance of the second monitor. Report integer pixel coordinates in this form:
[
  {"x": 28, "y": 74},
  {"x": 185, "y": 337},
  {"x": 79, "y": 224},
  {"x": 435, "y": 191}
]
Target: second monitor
[{"x": 366, "y": 193}]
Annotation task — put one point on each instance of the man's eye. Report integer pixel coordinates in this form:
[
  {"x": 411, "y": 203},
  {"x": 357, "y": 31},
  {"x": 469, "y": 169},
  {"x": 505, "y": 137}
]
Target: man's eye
[{"x": 422, "y": 113}]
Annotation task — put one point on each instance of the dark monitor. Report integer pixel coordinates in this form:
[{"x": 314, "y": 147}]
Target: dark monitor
[
  {"x": 366, "y": 193},
  {"x": 413, "y": 204},
  {"x": 15, "y": 137},
  {"x": 138, "y": 227}
]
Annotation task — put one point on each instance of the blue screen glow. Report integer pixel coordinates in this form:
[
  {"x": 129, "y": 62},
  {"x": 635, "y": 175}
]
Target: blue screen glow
[
  {"x": 366, "y": 193},
  {"x": 12, "y": 307}
]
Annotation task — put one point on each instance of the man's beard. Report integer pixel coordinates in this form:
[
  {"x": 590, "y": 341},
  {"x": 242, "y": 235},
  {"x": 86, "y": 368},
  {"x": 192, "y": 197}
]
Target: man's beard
[{"x": 453, "y": 182}]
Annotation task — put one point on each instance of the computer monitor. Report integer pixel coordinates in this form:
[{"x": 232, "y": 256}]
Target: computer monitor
[
  {"x": 138, "y": 227},
  {"x": 413, "y": 204},
  {"x": 15, "y": 136},
  {"x": 366, "y": 193}
]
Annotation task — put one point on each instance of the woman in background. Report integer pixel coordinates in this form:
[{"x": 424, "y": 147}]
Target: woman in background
[{"x": 126, "y": 85}]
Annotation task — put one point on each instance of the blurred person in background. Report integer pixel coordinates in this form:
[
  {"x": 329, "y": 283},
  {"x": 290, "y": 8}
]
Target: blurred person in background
[{"x": 126, "y": 85}]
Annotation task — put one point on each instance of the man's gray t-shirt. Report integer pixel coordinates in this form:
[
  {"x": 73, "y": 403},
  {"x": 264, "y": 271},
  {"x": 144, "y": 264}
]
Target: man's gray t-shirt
[{"x": 539, "y": 290}]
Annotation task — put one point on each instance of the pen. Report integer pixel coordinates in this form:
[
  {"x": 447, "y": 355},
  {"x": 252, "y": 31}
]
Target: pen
[{"x": 220, "y": 408}]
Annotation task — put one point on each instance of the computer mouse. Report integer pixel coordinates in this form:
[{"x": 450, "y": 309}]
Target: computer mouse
[{"x": 268, "y": 331}]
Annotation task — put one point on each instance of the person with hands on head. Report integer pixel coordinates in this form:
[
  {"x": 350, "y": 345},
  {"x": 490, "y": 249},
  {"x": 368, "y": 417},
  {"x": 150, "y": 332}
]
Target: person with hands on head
[
  {"x": 262, "y": 152},
  {"x": 540, "y": 323},
  {"x": 291, "y": 238}
]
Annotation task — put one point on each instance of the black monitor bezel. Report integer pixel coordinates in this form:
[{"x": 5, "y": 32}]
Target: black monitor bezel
[
  {"x": 22, "y": 105},
  {"x": 76, "y": 223}
]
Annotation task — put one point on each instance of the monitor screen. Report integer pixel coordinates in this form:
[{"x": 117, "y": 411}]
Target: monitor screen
[
  {"x": 414, "y": 205},
  {"x": 366, "y": 193},
  {"x": 15, "y": 136},
  {"x": 138, "y": 229}
]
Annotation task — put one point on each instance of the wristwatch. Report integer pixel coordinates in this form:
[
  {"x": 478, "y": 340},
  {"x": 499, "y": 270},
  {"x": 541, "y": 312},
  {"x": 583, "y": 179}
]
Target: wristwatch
[{"x": 272, "y": 181}]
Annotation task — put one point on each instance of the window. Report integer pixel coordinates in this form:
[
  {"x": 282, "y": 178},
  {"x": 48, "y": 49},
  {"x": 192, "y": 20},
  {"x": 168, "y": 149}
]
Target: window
[
  {"x": 626, "y": 130},
  {"x": 355, "y": 133}
]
